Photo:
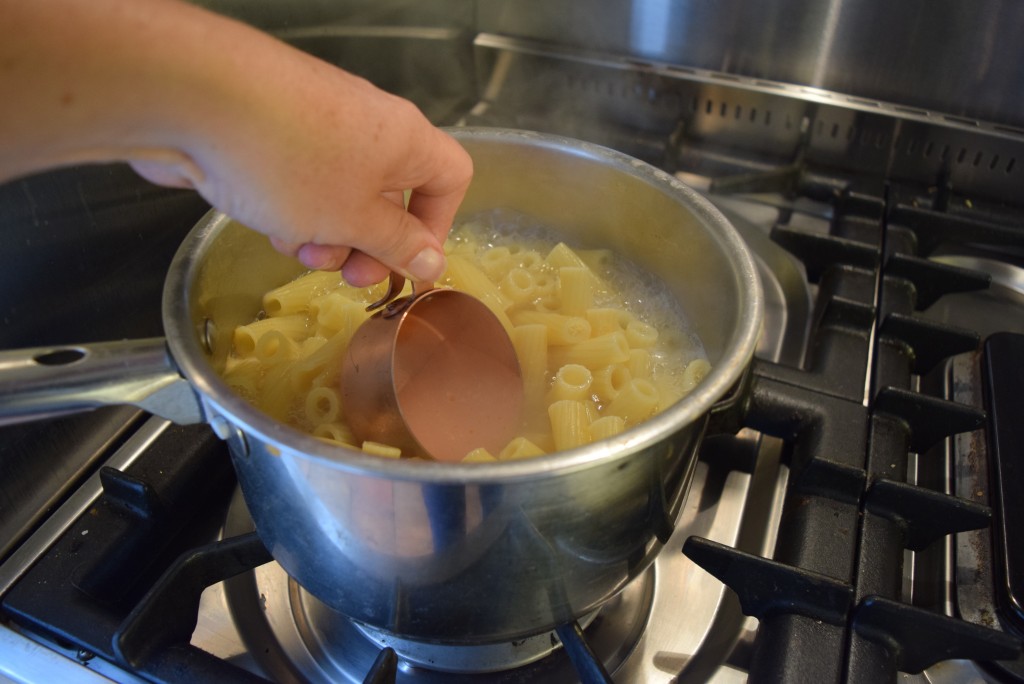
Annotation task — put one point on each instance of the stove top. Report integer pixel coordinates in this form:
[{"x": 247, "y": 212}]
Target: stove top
[
  {"x": 854, "y": 512},
  {"x": 132, "y": 591}
]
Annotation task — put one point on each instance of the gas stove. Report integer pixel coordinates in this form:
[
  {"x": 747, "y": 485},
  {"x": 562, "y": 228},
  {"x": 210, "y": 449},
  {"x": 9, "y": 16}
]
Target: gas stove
[{"x": 855, "y": 511}]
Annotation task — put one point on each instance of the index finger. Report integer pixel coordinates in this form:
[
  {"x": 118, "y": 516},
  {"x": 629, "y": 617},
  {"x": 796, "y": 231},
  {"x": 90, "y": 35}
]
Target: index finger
[{"x": 436, "y": 200}]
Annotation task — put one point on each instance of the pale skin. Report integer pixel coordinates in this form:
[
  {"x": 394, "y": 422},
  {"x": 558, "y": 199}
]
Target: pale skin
[{"x": 310, "y": 155}]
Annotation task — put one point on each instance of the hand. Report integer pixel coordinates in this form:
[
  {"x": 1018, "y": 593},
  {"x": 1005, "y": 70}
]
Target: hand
[
  {"x": 314, "y": 157},
  {"x": 318, "y": 160},
  {"x": 320, "y": 165}
]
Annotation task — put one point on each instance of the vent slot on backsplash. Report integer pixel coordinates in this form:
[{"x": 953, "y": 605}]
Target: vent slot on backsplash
[{"x": 679, "y": 117}]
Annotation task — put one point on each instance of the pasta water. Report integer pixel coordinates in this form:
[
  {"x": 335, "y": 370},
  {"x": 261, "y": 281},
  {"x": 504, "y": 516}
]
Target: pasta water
[{"x": 601, "y": 344}]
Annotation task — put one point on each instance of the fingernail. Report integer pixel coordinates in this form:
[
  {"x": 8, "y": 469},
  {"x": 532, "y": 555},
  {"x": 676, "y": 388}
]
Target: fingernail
[{"x": 427, "y": 266}]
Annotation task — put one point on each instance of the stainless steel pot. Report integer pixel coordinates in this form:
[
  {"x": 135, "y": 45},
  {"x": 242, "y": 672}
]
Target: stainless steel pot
[{"x": 444, "y": 552}]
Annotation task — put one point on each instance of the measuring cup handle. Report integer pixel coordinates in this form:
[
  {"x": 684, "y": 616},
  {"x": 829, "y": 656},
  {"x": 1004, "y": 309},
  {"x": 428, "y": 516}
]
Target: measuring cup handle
[
  {"x": 396, "y": 284},
  {"x": 391, "y": 304}
]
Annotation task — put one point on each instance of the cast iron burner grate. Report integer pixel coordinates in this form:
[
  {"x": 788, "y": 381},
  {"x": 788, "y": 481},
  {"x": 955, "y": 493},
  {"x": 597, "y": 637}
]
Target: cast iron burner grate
[
  {"x": 123, "y": 582},
  {"x": 830, "y": 604}
]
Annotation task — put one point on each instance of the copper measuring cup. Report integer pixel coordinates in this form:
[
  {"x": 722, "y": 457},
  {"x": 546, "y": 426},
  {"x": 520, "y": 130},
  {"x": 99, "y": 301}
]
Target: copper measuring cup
[{"x": 433, "y": 373}]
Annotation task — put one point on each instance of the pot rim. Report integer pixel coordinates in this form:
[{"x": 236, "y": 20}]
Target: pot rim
[{"x": 190, "y": 357}]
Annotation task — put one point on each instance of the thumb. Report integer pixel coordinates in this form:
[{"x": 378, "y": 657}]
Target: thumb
[{"x": 402, "y": 242}]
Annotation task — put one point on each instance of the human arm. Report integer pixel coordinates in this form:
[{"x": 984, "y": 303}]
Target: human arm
[{"x": 291, "y": 146}]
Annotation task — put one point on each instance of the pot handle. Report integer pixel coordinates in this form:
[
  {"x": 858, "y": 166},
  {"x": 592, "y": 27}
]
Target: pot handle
[
  {"x": 43, "y": 382},
  {"x": 728, "y": 413}
]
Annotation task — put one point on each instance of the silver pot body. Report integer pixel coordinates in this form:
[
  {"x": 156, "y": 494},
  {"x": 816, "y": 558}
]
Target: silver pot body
[
  {"x": 481, "y": 552},
  {"x": 450, "y": 553}
]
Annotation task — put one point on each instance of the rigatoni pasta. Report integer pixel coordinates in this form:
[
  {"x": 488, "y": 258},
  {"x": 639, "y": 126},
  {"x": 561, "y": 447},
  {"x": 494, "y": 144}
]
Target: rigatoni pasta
[
  {"x": 518, "y": 448},
  {"x": 246, "y": 337},
  {"x": 596, "y": 356},
  {"x": 519, "y": 285},
  {"x": 606, "y": 426},
  {"x": 335, "y": 433},
  {"x": 385, "y": 450},
  {"x": 531, "y": 344},
  {"x": 637, "y": 400},
  {"x": 294, "y": 296},
  {"x": 562, "y": 329},
  {"x": 572, "y": 381},
  {"x": 570, "y": 423},
  {"x": 595, "y": 352},
  {"x": 578, "y": 289}
]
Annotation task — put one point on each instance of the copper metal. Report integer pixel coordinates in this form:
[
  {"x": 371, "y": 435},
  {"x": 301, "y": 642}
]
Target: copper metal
[{"x": 433, "y": 373}]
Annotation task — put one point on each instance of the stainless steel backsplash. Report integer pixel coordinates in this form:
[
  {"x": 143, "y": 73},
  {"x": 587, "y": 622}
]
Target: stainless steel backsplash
[
  {"x": 951, "y": 56},
  {"x": 955, "y": 57},
  {"x": 917, "y": 90}
]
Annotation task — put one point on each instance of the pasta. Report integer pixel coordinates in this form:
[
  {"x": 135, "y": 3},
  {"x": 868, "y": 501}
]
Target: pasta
[
  {"x": 641, "y": 335},
  {"x": 479, "y": 455},
  {"x": 572, "y": 381},
  {"x": 334, "y": 313},
  {"x": 570, "y": 424},
  {"x": 385, "y": 450},
  {"x": 640, "y": 363},
  {"x": 635, "y": 401},
  {"x": 606, "y": 427},
  {"x": 694, "y": 373},
  {"x": 595, "y": 352},
  {"x": 518, "y": 448},
  {"x": 604, "y": 320},
  {"x": 323, "y": 405},
  {"x": 335, "y": 433},
  {"x": 274, "y": 347},
  {"x": 496, "y": 262},
  {"x": 519, "y": 285},
  {"x": 294, "y": 297},
  {"x": 609, "y": 380},
  {"x": 465, "y": 276},
  {"x": 596, "y": 356},
  {"x": 562, "y": 329},
  {"x": 577, "y": 289},
  {"x": 531, "y": 345},
  {"x": 246, "y": 336}
]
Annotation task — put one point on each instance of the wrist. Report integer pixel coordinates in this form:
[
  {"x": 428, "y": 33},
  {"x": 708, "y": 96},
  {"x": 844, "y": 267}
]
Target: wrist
[{"x": 111, "y": 80}]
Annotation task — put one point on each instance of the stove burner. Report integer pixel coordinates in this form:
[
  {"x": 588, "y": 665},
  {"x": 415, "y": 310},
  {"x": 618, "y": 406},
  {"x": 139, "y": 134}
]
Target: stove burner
[
  {"x": 293, "y": 635},
  {"x": 483, "y": 658}
]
